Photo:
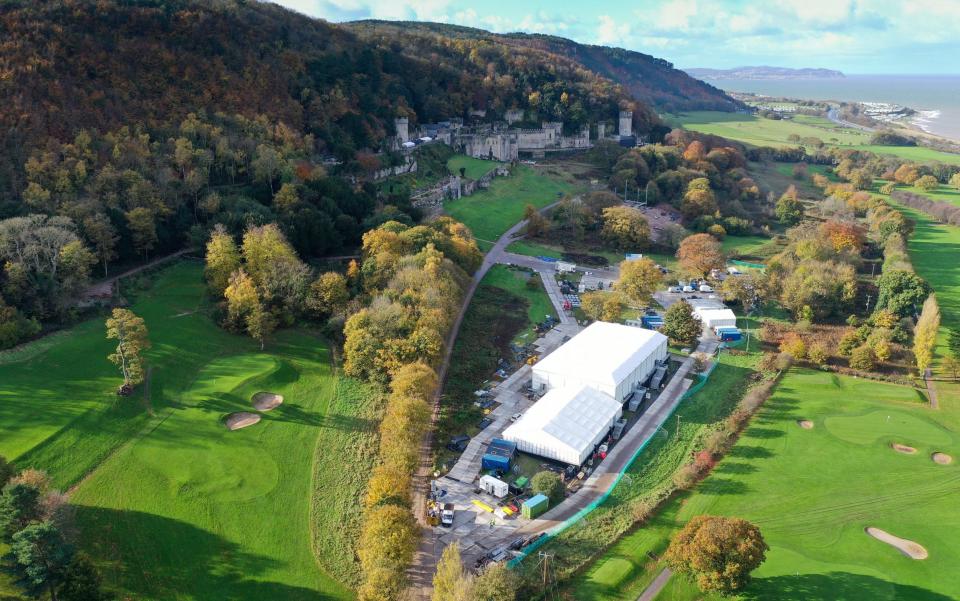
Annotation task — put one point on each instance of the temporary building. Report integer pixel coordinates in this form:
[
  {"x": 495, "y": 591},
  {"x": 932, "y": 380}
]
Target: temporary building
[
  {"x": 566, "y": 424},
  {"x": 498, "y": 456},
  {"x": 535, "y": 506},
  {"x": 609, "y": 357},
  {"x": 494, "y": 486},
  {"x": 712, "y": 318}
]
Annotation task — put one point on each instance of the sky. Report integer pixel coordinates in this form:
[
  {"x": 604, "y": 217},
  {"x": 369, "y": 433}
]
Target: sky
[{"x": 853, "y": 36}]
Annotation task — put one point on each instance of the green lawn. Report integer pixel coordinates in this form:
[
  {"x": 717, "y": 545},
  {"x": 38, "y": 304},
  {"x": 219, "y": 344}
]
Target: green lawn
[
  {"x": 474, "y": 168},
  {"x": 812, "y": 492},
  {"x": 759, "y": 131},
  {"x": 515, "y": 281},
  {"x": 744, "y": 245},
  {"x": 491, "y": 212},
  {"x": 174, "y": 506}
]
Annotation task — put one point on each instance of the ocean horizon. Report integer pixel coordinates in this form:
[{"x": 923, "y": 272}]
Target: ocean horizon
[{"x": 936, "y": 98}]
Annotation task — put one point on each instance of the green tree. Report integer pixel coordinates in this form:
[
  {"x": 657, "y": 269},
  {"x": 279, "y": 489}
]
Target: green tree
[
  {"x": 20, "y": 504},
  {"x": 789, "y": 209},
  {"x": 698, "y": 199},
  {"x": 130, "y": 332},
  {"x": 901, "y": 291},
  {"x": 680, "y": 325},
  {"x": 82, "y": 582},
  {"x": 862, "y": 358},
  {"x": 496, "y": 583},
  {"x": 260, "y": 324},
  {"x": 953, "y": 343},
  {"x": 222, "y": 260},
  {"x": 549, "y": 484},
  {"x": 638, "y": 280},
  {"x": 718, "y": 553},
  {"x": 40, "y": 556},
  {"x": 143, "y": 229},
  {"x": 6, "y": 471},
  {"x": 103, "y": 236},
  {"x": 451, "y": 582}
]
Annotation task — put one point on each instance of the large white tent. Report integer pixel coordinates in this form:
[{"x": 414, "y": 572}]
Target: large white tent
[
  {"x": 609, "y": 357},
  {"x": 713, "y": 318},
  {"x": 566, "y": 424}
]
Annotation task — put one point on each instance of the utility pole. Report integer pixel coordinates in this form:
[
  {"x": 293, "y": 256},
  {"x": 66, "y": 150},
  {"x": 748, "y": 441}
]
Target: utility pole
[
  {"x": 868, "y": 303},
  {"x": 547, "y": 581}
]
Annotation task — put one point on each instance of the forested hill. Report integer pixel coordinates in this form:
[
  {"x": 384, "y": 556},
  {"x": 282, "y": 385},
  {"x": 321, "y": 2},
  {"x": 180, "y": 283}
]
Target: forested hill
[
  {"x": 651, "y": 80},
  {"x": 72, "y": 65}
]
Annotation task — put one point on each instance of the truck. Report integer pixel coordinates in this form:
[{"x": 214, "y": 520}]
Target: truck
[{"x": 446, "y": 515}]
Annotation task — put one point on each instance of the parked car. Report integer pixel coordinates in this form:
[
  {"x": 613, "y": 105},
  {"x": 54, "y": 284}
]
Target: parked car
[
  {"x": 688, "y": 288},
  {"x": 446, "y": 516},
  {"x": 458, "y": 443},
  {"x": 516, "y": 416},
  {"x": 706, "y": 288}
]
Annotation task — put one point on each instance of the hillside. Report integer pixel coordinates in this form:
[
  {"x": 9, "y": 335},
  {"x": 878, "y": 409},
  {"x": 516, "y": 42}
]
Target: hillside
[
  {"x": 651, "y": 80},
  {"x": 104, "y": 65}
]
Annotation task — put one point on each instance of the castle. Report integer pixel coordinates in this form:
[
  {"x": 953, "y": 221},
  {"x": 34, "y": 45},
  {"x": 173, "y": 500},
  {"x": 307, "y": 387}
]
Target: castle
[{"x": 499, "y": 141}]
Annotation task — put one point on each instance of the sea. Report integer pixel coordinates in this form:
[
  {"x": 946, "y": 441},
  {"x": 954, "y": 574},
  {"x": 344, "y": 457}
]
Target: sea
[{"x": 936, "y": 98}]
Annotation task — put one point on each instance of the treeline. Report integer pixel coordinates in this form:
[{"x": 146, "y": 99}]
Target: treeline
[
  {"x": 942, "y": 211},
  {"x": 414, "y": 278}
]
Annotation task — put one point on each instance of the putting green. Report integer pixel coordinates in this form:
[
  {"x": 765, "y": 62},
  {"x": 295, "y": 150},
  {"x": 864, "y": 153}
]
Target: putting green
[
  {"x": 888, "y": 426},
  {"x": 813, "y": 493}
]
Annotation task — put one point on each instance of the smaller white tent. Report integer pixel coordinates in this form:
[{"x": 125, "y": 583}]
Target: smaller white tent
[
  {"x": 713, "y": 318},
  {"x": 566, "y": 424},
  {"x": 494, "y": 486}
]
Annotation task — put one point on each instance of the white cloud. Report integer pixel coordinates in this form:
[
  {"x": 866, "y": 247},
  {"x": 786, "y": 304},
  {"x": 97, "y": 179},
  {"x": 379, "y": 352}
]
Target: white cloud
[{"x": 611, "y": 32}]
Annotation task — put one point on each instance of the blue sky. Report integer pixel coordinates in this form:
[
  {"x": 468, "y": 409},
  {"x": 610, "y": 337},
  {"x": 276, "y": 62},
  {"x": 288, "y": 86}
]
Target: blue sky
[{"x": 855, "y": 36}]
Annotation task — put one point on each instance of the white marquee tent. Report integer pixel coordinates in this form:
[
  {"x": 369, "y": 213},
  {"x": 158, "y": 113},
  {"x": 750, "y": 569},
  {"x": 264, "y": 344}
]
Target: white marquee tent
[
  {"x": 566, "y": 424},
  {"x": 713, "y": 318},
  {"x": 609, "y": 357}
]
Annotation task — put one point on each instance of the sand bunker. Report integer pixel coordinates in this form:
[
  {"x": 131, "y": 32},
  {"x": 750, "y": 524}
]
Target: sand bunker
[
  {"x": 941, "y": 458},
  {"x": 265, "y": 401},
  {"x": 907, "y": 547},
  {"x": 902, "y": 448},
  {"x": 805, "y": 424},
  {"x": 235, "y": 421}
]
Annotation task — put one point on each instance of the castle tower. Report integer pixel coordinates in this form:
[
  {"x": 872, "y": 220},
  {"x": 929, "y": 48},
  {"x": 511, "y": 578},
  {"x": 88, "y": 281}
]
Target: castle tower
[
  {"x": 402, "y": 126},
  {"x": 626, "y": 123}
]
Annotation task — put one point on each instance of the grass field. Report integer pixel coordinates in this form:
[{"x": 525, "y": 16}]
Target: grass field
[
  {"x": 812, "y": 492},
  {"x": 759, "y": 131},
  {"x": 172, "y": 505},
  {"x": 538, "y": 303},
  {"x": 491, "y": 212},
  {"x": 473, "y": 168}
]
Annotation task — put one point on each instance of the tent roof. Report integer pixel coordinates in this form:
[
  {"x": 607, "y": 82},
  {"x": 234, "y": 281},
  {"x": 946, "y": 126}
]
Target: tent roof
[
  {"x": 603, "y": 352},
  {"x": 715, "y": 313},
  {"x": 568, "y": 417}
]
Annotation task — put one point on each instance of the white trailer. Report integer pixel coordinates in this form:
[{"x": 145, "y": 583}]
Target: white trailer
[
  {"x": 494, "y": 486},
  {"x": 564, "y": 267}
]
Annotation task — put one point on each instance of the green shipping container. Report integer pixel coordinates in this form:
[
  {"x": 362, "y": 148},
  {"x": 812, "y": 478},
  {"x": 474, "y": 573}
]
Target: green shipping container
[{"x": 535, "y": 506}]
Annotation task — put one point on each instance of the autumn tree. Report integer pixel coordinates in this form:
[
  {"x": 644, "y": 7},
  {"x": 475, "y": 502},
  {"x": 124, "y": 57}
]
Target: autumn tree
[
  {"x": 222, "y": 260},
  {"x": 699, "y": 254},
  {"x": 955, "y": 181},
  {"x": 537, "y": 224},
  {"x": 495, "y": 583},
  {"x": 679, "y": 323},
  {"x": 749, "y": 289},
  {"x": 925, "y": 333},
  {"x": 789, "y": 209},
  {"x": 130, "y": 332},
  {"x": 906, "y": 174},
  {"x": 694, "y": 151},
  {"x": 638, "y": 280},
  {"x": 451, "y": 582},
  {"x": 718, "y": 553},
  {"x": 329, "y": 294},
  {"x": 698, "y": 199},
  {"x": 602, "y": 306},
  {"x": 625, "y": 228},
  {"x": 844, "y": 235}
]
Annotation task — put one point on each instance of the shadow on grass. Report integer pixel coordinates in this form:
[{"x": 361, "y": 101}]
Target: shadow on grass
[
  {"x": 722, "y": 486},
  {"x": 835, "y": 586},
  {"x": 749, "y": 452},
  {"x": 754, "y": 432},
  {"x": 733, "y": 467},
  {"x": 180, "y": 560}
]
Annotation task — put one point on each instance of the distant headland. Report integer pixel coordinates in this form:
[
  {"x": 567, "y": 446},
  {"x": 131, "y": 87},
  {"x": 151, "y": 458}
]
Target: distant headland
[{"x": 764, "y": 73}]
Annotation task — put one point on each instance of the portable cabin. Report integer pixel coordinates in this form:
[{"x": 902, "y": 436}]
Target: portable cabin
[
  {"x": 535, "y": 506},
  {"x": 494, "y": 486}
]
